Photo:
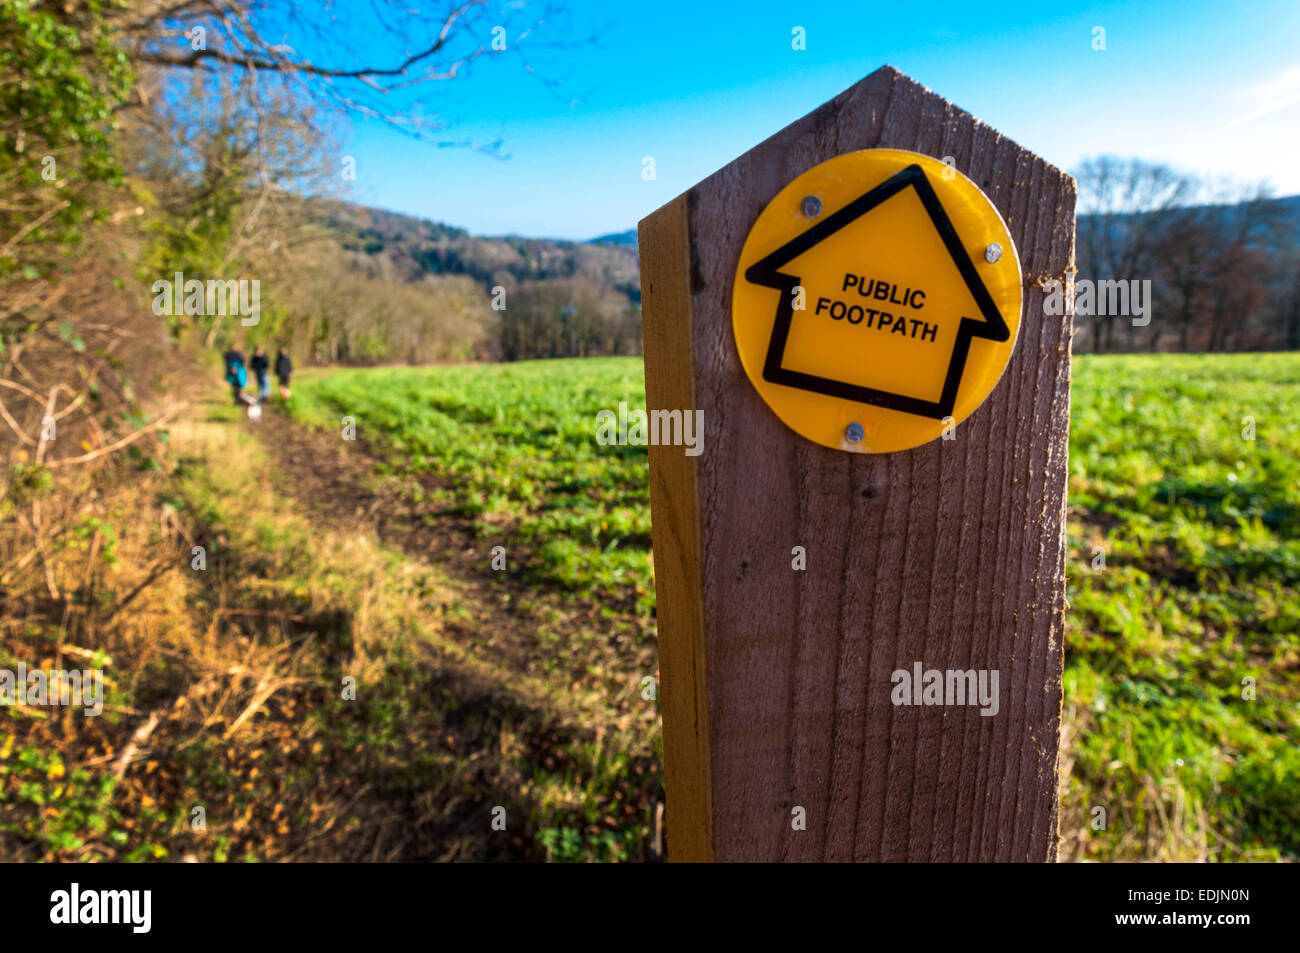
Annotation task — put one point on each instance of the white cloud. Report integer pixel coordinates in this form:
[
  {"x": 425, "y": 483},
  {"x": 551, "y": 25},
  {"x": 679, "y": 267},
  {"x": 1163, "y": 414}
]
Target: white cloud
[{"x": 1271, "y": 96}]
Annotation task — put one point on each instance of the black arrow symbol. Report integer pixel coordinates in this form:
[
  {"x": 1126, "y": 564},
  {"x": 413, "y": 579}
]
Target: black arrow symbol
[{"x": 990, "y": 325}]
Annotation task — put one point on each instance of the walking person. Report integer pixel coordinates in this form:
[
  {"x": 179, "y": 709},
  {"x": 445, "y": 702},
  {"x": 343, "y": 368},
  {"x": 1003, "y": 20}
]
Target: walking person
[
  {"x": 236, "y": 375},
  {"x": 283, "y": 368},
  {"x": 261, "y": 364}
]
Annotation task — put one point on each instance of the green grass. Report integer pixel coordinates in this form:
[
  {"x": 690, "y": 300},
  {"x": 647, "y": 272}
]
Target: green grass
[
  {"x": 1197, "y": 525},
  {"x": 1183, "y": 562},
  {"x": 514, "y": 445}
]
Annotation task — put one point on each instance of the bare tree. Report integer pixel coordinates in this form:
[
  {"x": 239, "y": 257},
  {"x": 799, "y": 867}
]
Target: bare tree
[
  {"x": 1210, "y": 250},
  {"x": 247, "y": 96},
  {"x": 1124, "y": 206},
  {"x": 1289, "y": 306},
  {"x": 1182, "y": 252},
  {"x": 368, "y": 59}
]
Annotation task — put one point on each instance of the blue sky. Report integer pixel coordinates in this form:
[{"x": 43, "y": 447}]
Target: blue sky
[{"x": 1211, "y": 88}]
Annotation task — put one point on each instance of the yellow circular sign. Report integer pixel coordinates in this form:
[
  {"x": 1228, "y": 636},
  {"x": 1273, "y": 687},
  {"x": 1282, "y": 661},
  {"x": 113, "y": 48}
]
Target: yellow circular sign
[{"x": 877, "y": 301}]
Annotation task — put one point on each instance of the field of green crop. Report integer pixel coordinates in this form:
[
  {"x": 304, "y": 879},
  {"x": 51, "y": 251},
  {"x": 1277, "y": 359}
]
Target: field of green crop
[
  {"x": 1182, "y": 680},
  {"x": 515, "y": 444},
  {"x": 1183, "y": 661}
]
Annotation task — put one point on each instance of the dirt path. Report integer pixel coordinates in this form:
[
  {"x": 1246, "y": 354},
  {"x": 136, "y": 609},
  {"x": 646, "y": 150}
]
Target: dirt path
[
  {"x": 466, "y": 702},
  {"x": 493, "y": 613},
  {"x": 579, "y": 657}
]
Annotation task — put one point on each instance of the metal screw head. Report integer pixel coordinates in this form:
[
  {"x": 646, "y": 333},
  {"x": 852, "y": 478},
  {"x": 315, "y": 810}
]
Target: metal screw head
[
  {"x": 811, "y": 206},
  {"x": 854, "y": 433},
  {"x": 993, "y": 253}
]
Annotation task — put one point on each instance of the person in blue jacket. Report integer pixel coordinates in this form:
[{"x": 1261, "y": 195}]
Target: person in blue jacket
[{"x": 236, "y": 373}]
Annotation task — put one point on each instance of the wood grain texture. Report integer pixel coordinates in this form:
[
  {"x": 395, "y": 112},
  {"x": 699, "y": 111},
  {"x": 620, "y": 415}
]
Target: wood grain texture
[
  {"x": 951, "y": 554},
  {"x": 664, "y": 244}
]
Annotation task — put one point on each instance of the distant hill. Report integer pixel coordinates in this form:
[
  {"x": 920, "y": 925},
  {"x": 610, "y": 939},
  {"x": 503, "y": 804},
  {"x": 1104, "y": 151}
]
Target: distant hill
[
  {"x": 617, "y": 238},
  {"x": 555, "y": 278},
  {"x": 1287, "y": 210},
  {"x": 416, "y": 246},
  {"x": 1283, "y": 212}
]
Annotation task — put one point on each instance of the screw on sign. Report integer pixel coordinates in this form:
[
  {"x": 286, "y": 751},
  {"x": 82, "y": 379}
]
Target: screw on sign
[{"x": 835, "y": 303}]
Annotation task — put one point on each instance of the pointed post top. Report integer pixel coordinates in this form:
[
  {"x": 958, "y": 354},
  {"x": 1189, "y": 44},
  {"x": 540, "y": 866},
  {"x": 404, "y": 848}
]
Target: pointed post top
[{"x": 811, "y": 599}]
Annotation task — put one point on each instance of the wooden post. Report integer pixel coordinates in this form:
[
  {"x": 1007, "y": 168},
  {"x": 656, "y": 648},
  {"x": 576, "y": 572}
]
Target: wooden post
[{"x": 776, "y": 683}]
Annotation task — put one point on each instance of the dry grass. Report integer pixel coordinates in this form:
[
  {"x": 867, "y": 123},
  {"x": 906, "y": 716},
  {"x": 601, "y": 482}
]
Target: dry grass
[{"x": 226, "y": 685}]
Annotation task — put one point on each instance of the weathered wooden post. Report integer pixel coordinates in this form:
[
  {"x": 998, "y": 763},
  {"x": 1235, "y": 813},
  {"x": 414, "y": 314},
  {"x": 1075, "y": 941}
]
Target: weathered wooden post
[{"x": 861, "y": 578}]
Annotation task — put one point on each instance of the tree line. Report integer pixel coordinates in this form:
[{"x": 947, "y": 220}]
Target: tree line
[{"x": 1221, "y": 259}]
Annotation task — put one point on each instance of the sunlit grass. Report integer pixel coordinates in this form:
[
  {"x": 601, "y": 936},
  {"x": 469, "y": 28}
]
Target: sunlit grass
[{"x": 1185, "y": 497}]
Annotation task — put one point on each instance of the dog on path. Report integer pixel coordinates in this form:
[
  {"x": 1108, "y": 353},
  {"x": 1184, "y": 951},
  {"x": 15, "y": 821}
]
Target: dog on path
[{"x": 253, "y": 407}]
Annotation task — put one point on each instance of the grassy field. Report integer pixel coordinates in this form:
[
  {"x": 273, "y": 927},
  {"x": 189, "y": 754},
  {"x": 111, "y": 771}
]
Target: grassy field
[
  {"x": 513, "y": 450},
  {"x": 1181, "y": 683},
  {"x": 1185, "y": 479}
]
